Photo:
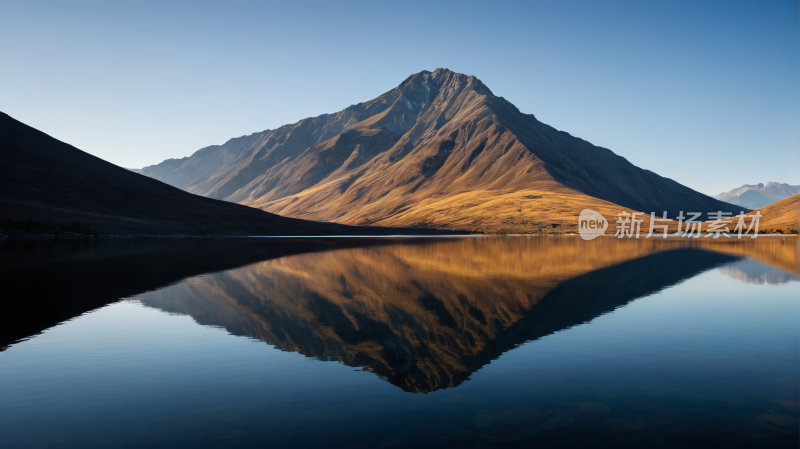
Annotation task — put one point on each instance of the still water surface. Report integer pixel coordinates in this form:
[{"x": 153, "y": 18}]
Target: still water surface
[{"x": 474, "y": 342}]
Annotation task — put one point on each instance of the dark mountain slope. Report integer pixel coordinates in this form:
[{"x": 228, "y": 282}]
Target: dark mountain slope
[
  {"x": 42, "y": 178},
  {"x": 599, "y": 172}
]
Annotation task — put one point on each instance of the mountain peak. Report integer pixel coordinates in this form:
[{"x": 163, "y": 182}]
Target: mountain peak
[{"x": 445, "y": 76}]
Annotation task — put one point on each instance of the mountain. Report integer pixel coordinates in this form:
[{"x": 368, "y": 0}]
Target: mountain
[
  {"x": 754, "y": 196},
  {"x": 753, "y": 200},
  {"x": 440, "y": 150},
  {"x": 45, "y": 181}
]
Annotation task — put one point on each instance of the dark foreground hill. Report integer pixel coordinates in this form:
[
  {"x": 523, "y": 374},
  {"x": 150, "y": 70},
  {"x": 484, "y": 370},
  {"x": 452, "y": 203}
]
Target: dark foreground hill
[
  {"x": 440, "y": 150},
  {"x": 46, "y": 182}
]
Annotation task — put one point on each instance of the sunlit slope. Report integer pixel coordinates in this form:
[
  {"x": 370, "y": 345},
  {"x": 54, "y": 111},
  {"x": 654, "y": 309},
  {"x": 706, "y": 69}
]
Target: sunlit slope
[{"x": 782, "y": 215}]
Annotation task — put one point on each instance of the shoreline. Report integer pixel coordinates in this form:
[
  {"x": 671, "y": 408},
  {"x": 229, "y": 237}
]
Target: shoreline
[{"x": 19, "y": 237}]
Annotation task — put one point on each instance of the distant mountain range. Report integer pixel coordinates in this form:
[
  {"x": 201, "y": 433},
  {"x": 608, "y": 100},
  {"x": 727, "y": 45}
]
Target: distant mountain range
[
  {"x": 46, "y": 185},
  {"x": 754, "y": 196},
  {"x": 438, "y": 151}
]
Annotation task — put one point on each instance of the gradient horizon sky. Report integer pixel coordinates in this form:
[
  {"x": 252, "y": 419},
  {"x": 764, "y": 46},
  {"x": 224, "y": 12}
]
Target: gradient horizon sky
[{"x": 705, "y": 93}]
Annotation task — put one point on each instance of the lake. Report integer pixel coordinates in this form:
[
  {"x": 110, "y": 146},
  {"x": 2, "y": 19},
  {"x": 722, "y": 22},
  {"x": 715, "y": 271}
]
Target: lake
[{"x": 400, "y": 342}]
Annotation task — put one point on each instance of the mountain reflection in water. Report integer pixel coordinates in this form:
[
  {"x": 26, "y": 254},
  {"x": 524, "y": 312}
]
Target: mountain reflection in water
[
  {"x": 711, "y": 362},
  {"x": 424, "y": 313},
  {"x": 752, "y": 271}
]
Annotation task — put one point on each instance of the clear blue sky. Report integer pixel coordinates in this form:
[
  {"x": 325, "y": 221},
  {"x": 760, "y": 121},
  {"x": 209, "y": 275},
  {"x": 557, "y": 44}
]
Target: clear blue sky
[{"x": 703, "y": 92}]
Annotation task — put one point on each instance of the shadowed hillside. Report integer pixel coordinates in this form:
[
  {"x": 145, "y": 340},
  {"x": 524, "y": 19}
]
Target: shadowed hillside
[{"x": 47, "y": 180}]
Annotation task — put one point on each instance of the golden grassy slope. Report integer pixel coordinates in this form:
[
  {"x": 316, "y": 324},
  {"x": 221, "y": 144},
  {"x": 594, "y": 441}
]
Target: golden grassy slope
[
  {"x": 534, "y": 209},
  {"x": 547, "y": 207},
  {"x": 781, "y": 215},
  {"x": 537, "y": 210},
  {"x": 542, "y": 207}
]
